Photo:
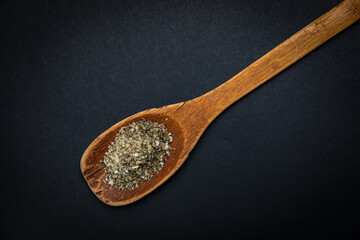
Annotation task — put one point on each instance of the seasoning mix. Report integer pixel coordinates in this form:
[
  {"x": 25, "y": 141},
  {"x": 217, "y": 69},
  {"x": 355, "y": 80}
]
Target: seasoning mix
[{"x": 137, "y": 153}]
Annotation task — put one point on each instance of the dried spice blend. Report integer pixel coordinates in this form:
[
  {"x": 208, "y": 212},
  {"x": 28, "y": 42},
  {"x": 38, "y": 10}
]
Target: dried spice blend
[{"x": 137, "y": 153}]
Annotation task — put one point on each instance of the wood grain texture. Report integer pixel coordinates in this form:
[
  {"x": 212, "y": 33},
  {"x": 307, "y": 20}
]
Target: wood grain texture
[{"x": 188, "y": 120}]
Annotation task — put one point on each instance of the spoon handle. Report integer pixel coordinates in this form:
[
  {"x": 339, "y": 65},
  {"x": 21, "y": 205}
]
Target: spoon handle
[{"x": 281, "y": 57}]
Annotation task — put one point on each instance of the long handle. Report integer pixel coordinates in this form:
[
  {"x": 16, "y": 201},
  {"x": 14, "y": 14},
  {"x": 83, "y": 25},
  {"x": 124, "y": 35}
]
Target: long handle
[{"x": 287, "y": 53}]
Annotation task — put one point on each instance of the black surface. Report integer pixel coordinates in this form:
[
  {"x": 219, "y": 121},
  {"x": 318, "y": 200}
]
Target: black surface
[{"x": 282, "y": 163}]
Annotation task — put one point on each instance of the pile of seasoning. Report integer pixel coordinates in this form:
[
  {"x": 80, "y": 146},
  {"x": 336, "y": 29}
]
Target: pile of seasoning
[{"x": 137, "y": 153}]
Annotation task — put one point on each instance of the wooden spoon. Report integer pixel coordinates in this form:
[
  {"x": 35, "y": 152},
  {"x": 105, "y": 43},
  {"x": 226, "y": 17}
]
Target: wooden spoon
[{"x": 188, "y": 120}]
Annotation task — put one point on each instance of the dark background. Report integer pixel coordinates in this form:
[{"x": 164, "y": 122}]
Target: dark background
[{"x": 282, "y": 163}]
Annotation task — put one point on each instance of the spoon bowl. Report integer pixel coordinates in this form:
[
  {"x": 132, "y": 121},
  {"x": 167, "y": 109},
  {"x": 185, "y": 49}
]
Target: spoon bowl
[
  {"x": 188, "y": 120},
  {"x": 92, "y": 168}
]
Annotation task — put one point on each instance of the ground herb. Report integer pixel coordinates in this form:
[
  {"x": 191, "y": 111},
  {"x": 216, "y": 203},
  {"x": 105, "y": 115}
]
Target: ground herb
[{"x": 137, "y": 153}]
